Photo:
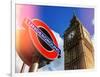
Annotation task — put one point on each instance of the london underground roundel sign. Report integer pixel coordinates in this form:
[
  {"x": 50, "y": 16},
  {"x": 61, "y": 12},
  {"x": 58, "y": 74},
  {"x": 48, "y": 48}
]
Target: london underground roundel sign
[{"x": 39, "y": 36}]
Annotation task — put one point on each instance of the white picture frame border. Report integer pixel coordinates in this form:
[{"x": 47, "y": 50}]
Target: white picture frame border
[{"x": 67, "y": 3}]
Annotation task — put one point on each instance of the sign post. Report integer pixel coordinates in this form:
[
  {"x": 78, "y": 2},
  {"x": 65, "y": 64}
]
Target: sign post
[
  {"x": 35, "y": 65},
  {"x": 22, "y": 68}
]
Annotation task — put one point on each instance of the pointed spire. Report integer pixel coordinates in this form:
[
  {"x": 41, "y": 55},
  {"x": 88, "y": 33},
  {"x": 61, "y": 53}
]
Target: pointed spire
[
  {"x": 74, "y": 19},
  {"x": 74, "y": 15}
]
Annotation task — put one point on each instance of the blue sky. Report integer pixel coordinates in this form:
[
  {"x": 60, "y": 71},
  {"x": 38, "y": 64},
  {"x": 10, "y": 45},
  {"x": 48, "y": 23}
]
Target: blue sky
[{"x": 58, "y": 18}]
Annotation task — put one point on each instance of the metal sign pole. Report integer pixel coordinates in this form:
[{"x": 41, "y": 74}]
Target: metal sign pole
[
  {"x": 34, "y": 66},
  {"x": 23, "y": 67}
]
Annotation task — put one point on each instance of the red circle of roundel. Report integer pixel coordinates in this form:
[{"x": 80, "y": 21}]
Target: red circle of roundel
[{"x": 51, "y": 55}]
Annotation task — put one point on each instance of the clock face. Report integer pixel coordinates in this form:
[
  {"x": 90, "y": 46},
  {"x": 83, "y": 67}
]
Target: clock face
[{"x": 71, "y": 35}]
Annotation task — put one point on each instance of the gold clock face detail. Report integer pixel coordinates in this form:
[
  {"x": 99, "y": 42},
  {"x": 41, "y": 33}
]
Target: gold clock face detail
[{"x": 71, "y": 35}]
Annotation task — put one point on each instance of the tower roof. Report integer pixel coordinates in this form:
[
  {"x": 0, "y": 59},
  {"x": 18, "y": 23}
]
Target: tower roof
[{"x": 74, "y": 20}]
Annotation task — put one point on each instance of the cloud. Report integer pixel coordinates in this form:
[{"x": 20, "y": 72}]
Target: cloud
[
  {"x": 18, "y": 63},
  {"x": 93, "y": 22}
]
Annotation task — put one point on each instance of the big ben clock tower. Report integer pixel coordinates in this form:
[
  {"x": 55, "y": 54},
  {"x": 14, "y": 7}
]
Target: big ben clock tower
[{"x": 78, "y": 48}]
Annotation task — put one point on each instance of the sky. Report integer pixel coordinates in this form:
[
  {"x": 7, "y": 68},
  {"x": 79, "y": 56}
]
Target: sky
[{"x": 58, "y": 19}]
